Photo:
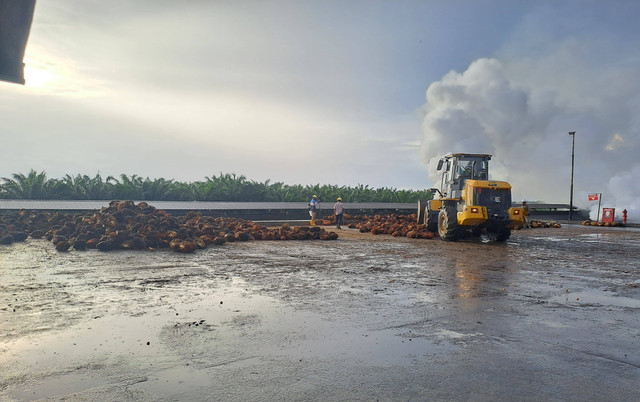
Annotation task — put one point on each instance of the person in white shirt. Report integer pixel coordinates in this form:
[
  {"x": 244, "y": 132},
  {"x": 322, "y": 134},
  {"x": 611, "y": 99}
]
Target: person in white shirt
[{"x": 338, "y": 209}]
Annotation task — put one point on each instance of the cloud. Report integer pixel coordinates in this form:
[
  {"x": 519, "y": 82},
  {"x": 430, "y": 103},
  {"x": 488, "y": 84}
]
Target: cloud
[
  {"x": 616, "y": 142},
  {"x": 482, "y": 111},
  {"x": 520, "y": 110},
  {"x": 623, "y": 192},
  {"x": 183, "y": 90}
]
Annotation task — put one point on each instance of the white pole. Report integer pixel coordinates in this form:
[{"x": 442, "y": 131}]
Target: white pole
[{"x": 599, "y": 200}]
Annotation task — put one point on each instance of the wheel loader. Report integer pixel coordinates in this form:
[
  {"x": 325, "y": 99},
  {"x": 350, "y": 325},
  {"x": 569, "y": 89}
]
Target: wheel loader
[{"x": 469, "y": 204}]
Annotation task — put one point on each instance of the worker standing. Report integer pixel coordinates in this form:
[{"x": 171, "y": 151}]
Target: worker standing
[
  {"x": 313, "y": 209},
  {"x": 624, "y": 216},
  {"x": 525, "y": 212},
  {"x": 338, "y": 210}
]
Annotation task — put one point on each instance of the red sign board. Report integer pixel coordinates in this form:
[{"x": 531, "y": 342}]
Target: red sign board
[
  {"x": 593, "y": 197},
  {"x": 608, "y": 214}
]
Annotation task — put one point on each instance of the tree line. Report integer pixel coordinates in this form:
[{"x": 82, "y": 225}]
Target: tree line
[{"x": 223, "y": 187}]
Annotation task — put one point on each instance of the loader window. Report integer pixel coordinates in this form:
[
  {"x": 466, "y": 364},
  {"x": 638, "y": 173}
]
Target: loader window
[
  {"x": 488, "y": 197},
  {"x": 465, "y": 169},
  {"x": 475, "y": 169},
  {"x": 480, "y": 170}
]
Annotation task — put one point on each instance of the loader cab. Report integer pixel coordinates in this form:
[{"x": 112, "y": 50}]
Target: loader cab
[{"x": 458, "y": 168}]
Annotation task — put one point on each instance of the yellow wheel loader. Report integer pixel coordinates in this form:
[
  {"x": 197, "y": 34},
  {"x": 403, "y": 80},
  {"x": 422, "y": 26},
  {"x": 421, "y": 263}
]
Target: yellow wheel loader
[{"x": 469, "y": 204}]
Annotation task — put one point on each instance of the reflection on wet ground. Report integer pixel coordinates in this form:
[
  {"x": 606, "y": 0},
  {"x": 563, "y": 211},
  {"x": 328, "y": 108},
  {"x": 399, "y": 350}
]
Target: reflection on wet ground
[{"x": 551, "y": 314}]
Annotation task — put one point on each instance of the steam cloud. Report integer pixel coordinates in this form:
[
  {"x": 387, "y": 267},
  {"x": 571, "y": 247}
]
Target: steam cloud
[{"x": 521, "y": 113}]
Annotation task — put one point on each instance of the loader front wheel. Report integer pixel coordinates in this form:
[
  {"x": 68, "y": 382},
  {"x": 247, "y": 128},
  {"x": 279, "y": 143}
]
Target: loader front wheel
[{"x": 448, "y": 223}]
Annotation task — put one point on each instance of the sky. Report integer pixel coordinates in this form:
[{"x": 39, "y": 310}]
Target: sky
[{"x": 333, "y": 92}]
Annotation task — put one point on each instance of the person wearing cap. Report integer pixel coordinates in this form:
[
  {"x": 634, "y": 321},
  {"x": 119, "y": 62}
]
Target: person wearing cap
[
  {"x": 525, "y": 212},
  {"x": 313, "y": 209},
  {"x": 338, "y": 210}
]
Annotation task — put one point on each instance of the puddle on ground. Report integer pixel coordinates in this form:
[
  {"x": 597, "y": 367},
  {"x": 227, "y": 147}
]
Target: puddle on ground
[
  {"x": 170, "y": 344},
  {"x": 551, "y": 238},
  {"x": 594, "y": 297}
]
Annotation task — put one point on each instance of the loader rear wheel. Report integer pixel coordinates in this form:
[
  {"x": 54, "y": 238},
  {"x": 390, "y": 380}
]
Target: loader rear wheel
[
  {"x": 499, "y": 235},
  {"x": 422, "y": 207},
  {"x": 432, "y": 221},
  {"x": 448, "y": 223}
]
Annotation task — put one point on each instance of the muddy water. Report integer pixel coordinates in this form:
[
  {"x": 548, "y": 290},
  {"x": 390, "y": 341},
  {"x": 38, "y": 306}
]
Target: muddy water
[{"x": 551, "y": 314}]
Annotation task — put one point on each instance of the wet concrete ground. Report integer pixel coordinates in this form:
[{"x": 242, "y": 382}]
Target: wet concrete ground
[{"x": 553, "y": 314}]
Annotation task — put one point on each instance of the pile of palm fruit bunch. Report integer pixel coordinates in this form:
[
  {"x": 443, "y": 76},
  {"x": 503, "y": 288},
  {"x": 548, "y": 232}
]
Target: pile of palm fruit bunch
[
  {"x": 18, "y": 226},
  {"x": 331, "y": 219},
  {"x": 125, "y": 225},
  {"x": 543, "y": 224},
  {"x": 589, "y": 222},
  {"x": 394, "y": 225},
  {"x": 540, "y": 225}
]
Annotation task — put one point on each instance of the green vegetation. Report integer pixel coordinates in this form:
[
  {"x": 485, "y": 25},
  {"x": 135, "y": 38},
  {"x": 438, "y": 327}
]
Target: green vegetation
[{"x": 225, "y": 187}]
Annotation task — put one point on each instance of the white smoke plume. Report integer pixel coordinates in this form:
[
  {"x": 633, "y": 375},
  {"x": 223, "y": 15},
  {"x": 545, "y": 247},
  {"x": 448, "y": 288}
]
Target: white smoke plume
[{"x": 521, "y": 113}]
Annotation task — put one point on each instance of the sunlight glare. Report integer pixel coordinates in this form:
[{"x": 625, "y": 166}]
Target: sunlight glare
[{"x": 36, "y": 77}]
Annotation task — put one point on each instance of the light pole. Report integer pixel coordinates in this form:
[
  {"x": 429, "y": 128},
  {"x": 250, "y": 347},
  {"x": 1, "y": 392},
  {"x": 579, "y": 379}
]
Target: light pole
[{"x": 573, "y": 143}]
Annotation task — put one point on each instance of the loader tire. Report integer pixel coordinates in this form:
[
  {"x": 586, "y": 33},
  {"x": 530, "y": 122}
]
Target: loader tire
[
  {"x": 476, "y": 232},
  {"x": 448, "y": 223},
  {"x": 499, "y": 235},
  {"x": 432, "y": 221},
  {"x": 422, "y": 207}
]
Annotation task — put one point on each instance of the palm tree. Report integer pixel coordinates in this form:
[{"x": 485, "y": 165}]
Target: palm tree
[
  {"x": 82, "y": 187},
  {"x": 33, "y": 186},
  {"x": 127, "y": 188},
  {"x": 158, "y": 189},
  {"x": 224, "y": 187},
  {"x": 196, "y": 191}
]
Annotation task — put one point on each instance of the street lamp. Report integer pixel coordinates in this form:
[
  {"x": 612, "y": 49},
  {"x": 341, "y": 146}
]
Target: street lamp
[{"x": 573, "y": 143}]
